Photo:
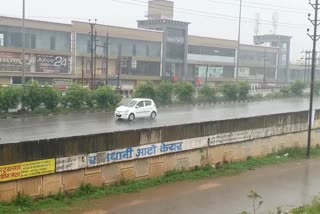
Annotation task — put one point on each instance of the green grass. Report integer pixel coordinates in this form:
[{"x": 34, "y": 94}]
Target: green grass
[
  {"x": 64, "y": 202},
  {"x": 313, "y": 208}
]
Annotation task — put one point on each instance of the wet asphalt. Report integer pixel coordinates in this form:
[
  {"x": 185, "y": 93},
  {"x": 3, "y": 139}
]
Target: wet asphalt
[{"x": 67, "y": 125}]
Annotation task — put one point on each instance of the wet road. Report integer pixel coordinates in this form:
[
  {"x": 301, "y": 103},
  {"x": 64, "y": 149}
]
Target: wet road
[
  {"x": 35, "y": 128},
  {"x": 286, "y": 186}
]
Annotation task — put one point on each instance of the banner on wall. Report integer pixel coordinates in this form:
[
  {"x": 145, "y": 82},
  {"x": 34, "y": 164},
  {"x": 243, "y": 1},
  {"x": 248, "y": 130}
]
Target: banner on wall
[
  {"x": 13, "y": 61},
  {"x": 27, "y": 170},
  {"x": 52, "y": 64}
]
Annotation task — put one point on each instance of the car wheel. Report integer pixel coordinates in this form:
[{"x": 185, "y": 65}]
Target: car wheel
[
  {"x": 131, "y": 117},
  {"x": 153, "y": 115}
]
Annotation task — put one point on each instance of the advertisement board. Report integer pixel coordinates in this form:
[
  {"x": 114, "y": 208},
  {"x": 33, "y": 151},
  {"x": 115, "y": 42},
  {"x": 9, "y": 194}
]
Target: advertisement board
[
  {"x": 26, "y": 170},
  {"x": 13, "y": 61},
  {"x": 52, "y": 64}
]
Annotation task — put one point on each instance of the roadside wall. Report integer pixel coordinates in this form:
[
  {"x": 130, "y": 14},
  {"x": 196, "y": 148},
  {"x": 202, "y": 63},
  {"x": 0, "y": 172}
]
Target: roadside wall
[{"x": 41, "y": 168}]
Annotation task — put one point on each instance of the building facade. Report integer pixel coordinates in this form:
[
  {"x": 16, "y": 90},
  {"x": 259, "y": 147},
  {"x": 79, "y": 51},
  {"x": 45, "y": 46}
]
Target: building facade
[{"x": 159, "y": 49}]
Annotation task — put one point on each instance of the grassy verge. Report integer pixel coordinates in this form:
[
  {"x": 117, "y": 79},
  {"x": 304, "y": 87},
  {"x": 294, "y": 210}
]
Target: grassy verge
[
  {"x": 313, "y": 208},
  {"x": 62, "y": 201}
]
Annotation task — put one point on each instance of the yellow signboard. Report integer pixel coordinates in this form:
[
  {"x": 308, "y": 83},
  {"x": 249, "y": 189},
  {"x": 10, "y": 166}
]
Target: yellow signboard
[{"x": 26, "y": 170}]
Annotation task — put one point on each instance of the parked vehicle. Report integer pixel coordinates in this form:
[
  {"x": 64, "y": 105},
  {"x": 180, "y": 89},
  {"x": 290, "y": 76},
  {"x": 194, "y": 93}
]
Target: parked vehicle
[{"x": 137, "y": 108}]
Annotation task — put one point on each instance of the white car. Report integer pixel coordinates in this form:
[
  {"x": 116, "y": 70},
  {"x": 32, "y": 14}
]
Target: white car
[{"x": 137, "y": 108}]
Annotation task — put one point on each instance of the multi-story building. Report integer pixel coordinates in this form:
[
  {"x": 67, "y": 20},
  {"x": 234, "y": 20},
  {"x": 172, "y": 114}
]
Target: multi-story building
[
  {"x": 48, "y": 51},
  {"x": 159, "y": 49}
]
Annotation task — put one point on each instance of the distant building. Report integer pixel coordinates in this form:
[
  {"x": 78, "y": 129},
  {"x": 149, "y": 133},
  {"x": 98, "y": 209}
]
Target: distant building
[{"x": 159, "y": 49}]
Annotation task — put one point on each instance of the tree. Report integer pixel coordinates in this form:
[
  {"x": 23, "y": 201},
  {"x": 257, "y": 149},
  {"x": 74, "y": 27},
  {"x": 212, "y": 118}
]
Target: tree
[
  {"x": 184, "y": 92},
  {"x": 31, "y": 98},
  {"x": 76, "y": 97},
  {"x": 243, "y": 90},
  {"x": 164, "y": 93},
  {"x": 50, "y": 97},
  {"x": 146, "y": 90},
  {"x": 10, "y": 98},
  {"x": 207, "y": 94},
  {"x": 297, "y": 88},
  {"x": 230, "y": 91},
  {"x": 317, "y": 88},
  {"x": 106, "y": 97}
]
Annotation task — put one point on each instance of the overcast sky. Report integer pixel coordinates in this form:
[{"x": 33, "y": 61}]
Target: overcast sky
[{"x": 212, "y": 18}]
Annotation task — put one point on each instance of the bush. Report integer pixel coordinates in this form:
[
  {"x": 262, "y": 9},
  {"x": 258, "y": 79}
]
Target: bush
[
  {"x": 76, "y": 97},
  {"x": 230, "y": 91},
  {"x": 90, "y": 100},
  {"x": 317, "y": 88},
  {"x": 10, "y": 98},
  {"x": 285, "y": 92},
  {"x": 164, "y": 93},
  {"x": 50, "y": 97},
  {"x": 243, "y": 90},
  {"x": 106, "y": 97},
  {"x": 146, "y": 90},
  {"x": 207, "y": 94},
  {"x": 184, "y": 92},
  {"x": 31, "y": 98},
  {"x": 297, "y": 88}
]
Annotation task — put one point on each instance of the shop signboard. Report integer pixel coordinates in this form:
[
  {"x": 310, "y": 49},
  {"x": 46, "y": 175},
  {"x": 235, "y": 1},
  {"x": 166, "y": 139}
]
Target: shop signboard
[
  {"x": 13, "y": 61},
  {"x": 52, "y": 64}
]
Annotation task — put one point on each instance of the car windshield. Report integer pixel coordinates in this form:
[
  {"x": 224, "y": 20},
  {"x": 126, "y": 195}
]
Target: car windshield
[{"x": 130, "y": 103}]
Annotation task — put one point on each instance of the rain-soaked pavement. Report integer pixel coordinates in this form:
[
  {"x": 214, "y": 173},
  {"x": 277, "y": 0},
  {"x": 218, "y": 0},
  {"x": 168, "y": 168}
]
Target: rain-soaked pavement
[
  {"x": 287, "y": 186},
  {"x": 46, "y": 127}
]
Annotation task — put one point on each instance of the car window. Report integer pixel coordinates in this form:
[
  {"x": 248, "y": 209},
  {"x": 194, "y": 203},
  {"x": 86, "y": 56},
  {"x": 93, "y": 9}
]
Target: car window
[
  {"x": 147, "y": 103},
  {"x": 140, "y": 104},
  {"x": 131, "y": 103}
]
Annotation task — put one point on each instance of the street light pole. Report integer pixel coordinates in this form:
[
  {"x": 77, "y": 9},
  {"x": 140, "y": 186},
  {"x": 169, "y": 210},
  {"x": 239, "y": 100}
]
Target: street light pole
[
  {"x": 315, "y": 37},
  {"x": 239, "y": 37},
  {"x": 23, "y": 81}
]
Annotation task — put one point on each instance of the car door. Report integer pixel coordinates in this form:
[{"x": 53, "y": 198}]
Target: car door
[
  {"x": 148, "y": 108},
  {"x": 140, "y": 111}
]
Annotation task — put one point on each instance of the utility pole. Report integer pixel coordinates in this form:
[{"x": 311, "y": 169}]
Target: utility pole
[
  {"x": 82, "y": 70},
  {"x": 23, "y": 79},
  {"x": 92, "y": 25},
  {"x": 107, "y": 58},
  {"x": 239, "y": 37},
  {"x": 119, "y": 72},
  {"x": 306, "y": 59},
  {"x": 95, "y": 61},
  {"x": 315, "y": 37},
  {"x": 264, "y": 66},
  {"x": 206, "y": 79}
]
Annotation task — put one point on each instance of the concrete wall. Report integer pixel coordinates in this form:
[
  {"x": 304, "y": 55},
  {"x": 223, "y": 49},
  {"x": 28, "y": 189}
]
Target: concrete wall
[{"x": 103, "y": 159}]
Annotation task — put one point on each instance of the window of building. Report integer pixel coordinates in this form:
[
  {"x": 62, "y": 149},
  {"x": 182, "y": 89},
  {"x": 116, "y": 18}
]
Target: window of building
[
  {"x": 119, "y": 49},
  {"x": 212, "y": 51},
  {"x": 52, "y": 43},
  {"x": 134, "y": 50},
  {"x": 284, "y": 59},
  {"x": 33, "y": 41},
  {"x": 147, "y": 50},
  {"x": 284, "y": 46},
  {"x": 175, "y": 51},
  {"x": 1, "y": 39},
  {"x": 16, "y": 39},
  {"x": 175, "y": 32}
]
